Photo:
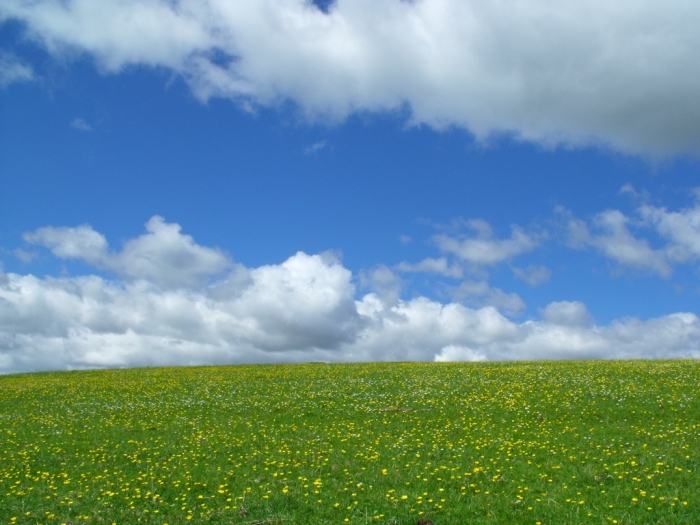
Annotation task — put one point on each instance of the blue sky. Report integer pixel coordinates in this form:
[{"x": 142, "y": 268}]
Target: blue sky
[{"x": 186, "y": 183}]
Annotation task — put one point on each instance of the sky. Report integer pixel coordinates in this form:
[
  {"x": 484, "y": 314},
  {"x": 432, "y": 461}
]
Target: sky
[{"x": 193, "y": 182}]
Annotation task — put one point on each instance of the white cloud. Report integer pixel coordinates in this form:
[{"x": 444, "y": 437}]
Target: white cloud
[
  {"x": 384, "y": 282},
  {"x": 484, "y": 249},
  {"x": 418, "y": 329},
  {"x": 12, "y": 69},
  {"x": 165, "y": 256},
  {"x": 479, "y": 293},
  {"x": 612, "y": 238},
  {"x": 304, "y": 309},
  {"x": 81, "y": 242},
  {"x": 675, "y": 335},
  {"x": 610, "y": 234},
  {"x": 118, "y": 33},
  {"x": 162, "y": 256},
  {"x": 533, "y": 275},
  {"x": 567, "y": 313},
  {"x": 305, "y": 302},
  {"x": 681, "y": 229},
  {"x": 580, "y": 72}
]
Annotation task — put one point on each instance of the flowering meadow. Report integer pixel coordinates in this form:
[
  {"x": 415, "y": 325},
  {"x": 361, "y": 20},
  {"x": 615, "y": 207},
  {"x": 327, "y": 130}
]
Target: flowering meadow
[{"x": 599, "y": 442}]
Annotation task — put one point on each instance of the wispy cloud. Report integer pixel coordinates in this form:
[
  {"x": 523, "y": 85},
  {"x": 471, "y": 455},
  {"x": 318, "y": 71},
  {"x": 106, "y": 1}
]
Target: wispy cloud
[
  {"x": 431, "y": 265},
  {"x": 24, "y": 255},
  {"x": 533, "y": 275},
  {"x": 80, "y": 124},
  {"x": 13, "y": 70},
  {"x": 315, "y": 147}
]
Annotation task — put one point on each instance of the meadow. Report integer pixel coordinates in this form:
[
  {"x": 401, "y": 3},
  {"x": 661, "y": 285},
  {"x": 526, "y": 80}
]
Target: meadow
[{"x": 592, "y": 442}]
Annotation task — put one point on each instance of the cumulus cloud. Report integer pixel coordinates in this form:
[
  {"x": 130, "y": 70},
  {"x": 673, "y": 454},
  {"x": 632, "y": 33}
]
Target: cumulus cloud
[
  {"x": 576, "y": 73},
  {"x": 483, "y": 249},
  {"x": 567, "y": 313},
  {"x": 612, "y": 238},
  {"x": 479, "y": 293},
  {"x": 162, "y": 256},
  {"x": 471, "y": 253},
  {"x": 81, "y": 242},
  {"x": 675, "y": 335},
  {"x": 303, "y": 309},
  {"x": 650, "y": 239},
  {"x": 166, "y": 256},
  {"x": 305, "y": 302},
  {"x": 680, "y": 228},
  {"x": 384, "y": 282},
  {"x": 609, "y": 233}
]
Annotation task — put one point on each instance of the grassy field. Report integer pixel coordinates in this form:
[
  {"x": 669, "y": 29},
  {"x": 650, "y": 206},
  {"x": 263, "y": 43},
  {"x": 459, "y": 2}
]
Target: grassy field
[{"x": 537, "y": 443}]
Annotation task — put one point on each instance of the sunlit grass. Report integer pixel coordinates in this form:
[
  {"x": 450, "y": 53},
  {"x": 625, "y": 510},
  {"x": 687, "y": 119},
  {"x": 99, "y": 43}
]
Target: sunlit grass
[{"x": 549, "y": 443}]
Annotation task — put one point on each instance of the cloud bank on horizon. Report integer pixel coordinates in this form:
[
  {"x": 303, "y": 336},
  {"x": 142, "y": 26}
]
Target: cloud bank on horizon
[
  {"x": 171, "y": 301},
  {"x": 621, "y": 74},
  {"x": 594, "y": 75}
]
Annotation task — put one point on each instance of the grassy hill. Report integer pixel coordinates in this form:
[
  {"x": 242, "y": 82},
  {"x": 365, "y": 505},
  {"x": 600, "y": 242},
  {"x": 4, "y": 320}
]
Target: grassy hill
[{"x": 402, "y": 443}]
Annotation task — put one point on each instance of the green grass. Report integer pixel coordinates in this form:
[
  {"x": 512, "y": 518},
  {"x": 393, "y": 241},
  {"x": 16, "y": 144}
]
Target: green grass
[{"x": 550, "y": 443}]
